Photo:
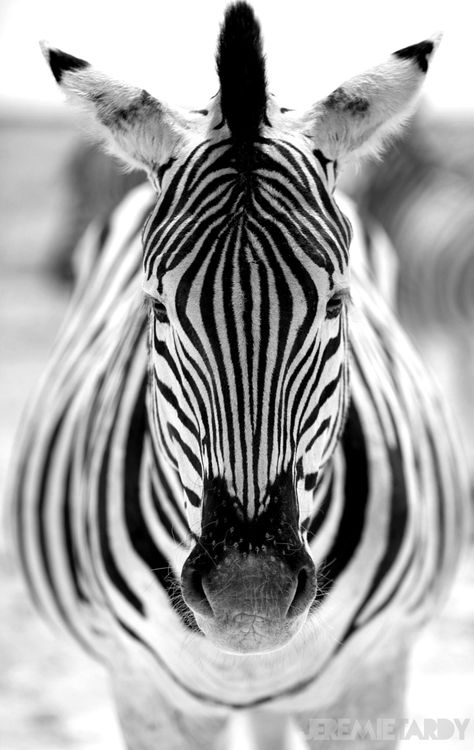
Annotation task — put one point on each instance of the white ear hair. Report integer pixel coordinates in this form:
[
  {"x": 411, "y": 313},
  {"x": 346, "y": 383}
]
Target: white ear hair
[
  {"x": 359, "y": 116},
  {"x": 130, "y": 122}
]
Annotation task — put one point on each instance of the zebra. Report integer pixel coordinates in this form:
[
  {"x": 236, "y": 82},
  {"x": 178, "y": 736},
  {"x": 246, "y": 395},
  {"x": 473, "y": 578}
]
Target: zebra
[{"x": 242, "y": 507}]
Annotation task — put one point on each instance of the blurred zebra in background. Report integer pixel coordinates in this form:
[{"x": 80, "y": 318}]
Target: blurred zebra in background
[
  {"x": 95, "y": 183},
  {"x": 423, "y": 196}
]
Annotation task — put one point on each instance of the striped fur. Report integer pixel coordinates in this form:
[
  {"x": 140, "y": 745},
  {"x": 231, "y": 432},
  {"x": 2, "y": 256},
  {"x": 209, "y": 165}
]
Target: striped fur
[{"x": 234, "y": 278}]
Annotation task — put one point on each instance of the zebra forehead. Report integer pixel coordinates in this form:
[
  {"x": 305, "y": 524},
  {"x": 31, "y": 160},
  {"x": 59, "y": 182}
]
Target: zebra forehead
[
  {"x": 207, "y": 205},
  {"x": 254, "y": 262}
]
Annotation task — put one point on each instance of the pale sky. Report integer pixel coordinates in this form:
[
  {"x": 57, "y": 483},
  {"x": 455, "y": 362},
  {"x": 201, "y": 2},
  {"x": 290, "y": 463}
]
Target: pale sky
[{"x": 168, "y": 46}]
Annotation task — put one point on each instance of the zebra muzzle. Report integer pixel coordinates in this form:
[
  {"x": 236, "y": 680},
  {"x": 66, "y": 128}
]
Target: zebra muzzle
[{"x": 250, "y": 603}]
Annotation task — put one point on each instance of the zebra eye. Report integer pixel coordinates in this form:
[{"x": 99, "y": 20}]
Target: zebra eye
[
  {"x": 334, "y": 305},
  {"x": 159, "y": 310}
]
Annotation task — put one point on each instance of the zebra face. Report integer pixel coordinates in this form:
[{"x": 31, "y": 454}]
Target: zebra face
[
  {"x": 246, "y": 273},
  {"x": 247, "y": 281}
]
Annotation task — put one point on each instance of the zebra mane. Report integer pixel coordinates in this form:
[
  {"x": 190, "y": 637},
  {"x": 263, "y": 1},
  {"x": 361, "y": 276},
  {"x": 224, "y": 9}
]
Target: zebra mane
[{"x": 241, "y": 70}]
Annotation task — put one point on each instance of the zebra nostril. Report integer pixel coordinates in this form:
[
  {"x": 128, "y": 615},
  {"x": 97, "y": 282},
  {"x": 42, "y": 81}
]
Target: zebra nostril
[
  {"x": 304, "y": 593},
  {"x": 193, "y": 592}
]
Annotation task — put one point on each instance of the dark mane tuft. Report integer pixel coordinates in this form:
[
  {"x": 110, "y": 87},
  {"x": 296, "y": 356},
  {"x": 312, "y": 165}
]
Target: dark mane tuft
[{"x": 241, "y": 70}]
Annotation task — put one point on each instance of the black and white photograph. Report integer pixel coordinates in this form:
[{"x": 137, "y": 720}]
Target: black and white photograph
[{"x": 236, "y": 375}]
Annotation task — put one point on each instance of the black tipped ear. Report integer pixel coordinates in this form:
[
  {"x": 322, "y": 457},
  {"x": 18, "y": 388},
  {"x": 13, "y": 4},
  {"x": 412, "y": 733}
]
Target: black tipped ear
[
  {"x": 359, "y": 116},
  {"x": 130, "y": 122},
  {"x": 419, "y": 53},
  {"x": 60, "y": 62}
]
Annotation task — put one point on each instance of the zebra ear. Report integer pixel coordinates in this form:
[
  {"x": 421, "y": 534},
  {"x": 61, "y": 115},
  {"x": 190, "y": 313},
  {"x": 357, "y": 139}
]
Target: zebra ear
[
  {"x": 359, "y": 116},
  {"x": 130, "y": 122}
]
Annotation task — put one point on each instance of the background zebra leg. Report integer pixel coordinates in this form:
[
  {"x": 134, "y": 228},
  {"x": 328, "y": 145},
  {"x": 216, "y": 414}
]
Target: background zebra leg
[
  {"x": 260, "y": 730},
  {"x": 377, "y": 694}
]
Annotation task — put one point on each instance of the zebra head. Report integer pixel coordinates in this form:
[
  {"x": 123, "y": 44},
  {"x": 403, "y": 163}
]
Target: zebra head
[{"x": 246, "y": 279}]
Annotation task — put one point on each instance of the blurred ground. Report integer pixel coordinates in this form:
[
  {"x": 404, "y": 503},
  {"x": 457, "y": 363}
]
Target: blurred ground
[{"x": 51, "y": 696}]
